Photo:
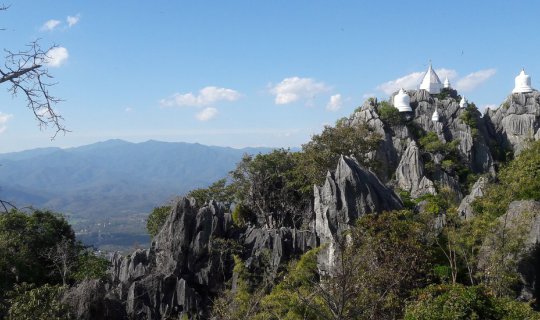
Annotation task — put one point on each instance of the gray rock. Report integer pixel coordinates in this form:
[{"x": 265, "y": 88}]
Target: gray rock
[
  {"x": 465, "y": 209},
  {"x": 516, "y": 121},
  {"x": 349, "y": 193}
]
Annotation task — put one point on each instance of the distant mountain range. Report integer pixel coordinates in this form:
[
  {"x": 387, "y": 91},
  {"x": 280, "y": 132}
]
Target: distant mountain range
[{"x": 108, "y": 187}]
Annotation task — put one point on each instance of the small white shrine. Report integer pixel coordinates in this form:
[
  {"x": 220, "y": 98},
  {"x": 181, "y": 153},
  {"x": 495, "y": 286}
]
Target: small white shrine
[
  {"x": 435, "y": 116},
  {"x": 446, "y": 83},
  {"x": 463, "y": 103},
  {"x": 402, "y": 101},
  {"x": 522, "y": 83},
  {"x": 431, "y": 82}
]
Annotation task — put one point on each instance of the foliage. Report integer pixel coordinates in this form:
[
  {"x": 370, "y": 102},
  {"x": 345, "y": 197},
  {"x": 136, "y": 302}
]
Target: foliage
[
  {"x": 24, "y": 238},
  {"x": 218, "y": 191},
  {"x": 389, "y": 114},
  {"x": 321, "y": 154},
  {"x": 431, "y": 143},
  {"x": 91, "y": 265},
  {"x": 470, "y": 117},
  {"x": 28, "y": 303},
  {"x": 273, "y": 187},
  {"x": 456, "y": 301},
  {"x": 242, "y": 215},
  {"x": 519, "y": 180},
  {"x": 156, "y": 219}
]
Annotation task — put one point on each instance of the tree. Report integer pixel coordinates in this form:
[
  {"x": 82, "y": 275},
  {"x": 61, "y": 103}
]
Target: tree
[
  {"x": 28, "y": 302},
  {"x": 218, "y": 191},
  {"x": 63, "y": 256}
]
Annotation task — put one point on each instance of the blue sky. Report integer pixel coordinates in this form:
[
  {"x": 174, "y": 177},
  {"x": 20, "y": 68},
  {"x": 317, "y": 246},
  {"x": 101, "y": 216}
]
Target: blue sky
[{"x": 254, "y": 73}]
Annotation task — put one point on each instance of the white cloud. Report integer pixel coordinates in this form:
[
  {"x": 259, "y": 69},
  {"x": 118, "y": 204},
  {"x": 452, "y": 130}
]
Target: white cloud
[
  {"x": 50, "y": 25},
  {"x": 412, "y": 80},
  {"x": 4, "y": 118},
  {"x": 490, "y": 106},
  {"x": 206, "y": 114},
  {"x": 73, "y": 20},
  {"x": 335, "y": 103},
  {"x": 409, "y": 81},
  {"x": 57, "y": 57},
  {"x": 205, "y": 97},
  {"x": 293, "y": 89},
  {"x": 128, "y": 109},
  {"x": 473, "y": 80}
]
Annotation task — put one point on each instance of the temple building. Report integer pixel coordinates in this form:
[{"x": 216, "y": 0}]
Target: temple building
[
  {"x": 402, "y": 101},
  {"x": 431, "y": 82},
  {"x": 522, "y": 83}
]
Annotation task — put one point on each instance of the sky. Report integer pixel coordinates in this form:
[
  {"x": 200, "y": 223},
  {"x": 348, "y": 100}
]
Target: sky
[{"x": 253, "y": 73}]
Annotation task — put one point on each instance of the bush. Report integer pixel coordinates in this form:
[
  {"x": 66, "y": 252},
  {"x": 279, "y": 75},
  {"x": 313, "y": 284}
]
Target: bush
[
  {"x": 156, "y": 219},
  {"x": 242, "y": 215},
  {"x": 389, "y": 114},
  {"x": 29, "y": 303}
]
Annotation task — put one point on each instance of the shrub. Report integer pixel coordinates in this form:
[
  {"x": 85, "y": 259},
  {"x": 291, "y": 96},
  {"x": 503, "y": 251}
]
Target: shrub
[
  {"x": 156, "y": 219},
  {"x": 389, "y": 114}
]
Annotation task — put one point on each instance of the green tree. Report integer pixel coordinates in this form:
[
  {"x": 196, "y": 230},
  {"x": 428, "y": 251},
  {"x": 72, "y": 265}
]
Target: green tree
[
  {"x": 271, "y": 186},
  {"x": 156, "y": 219},
  {"x": 218, "y": 191},
  {"x": 321, "y": 154},
  {"x": 389, "y": 114},
  {"x": 43, "y": 303},
  {"x": 456, "y": 301},
  {"x": 90, "y": 265}
]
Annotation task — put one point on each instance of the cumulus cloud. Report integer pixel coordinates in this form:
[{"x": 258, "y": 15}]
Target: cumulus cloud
[
  {"x": 206, "y": 114},
  {"x": 293, "y": 89},
  {"x": 412, "y": 80},
  {"x": 473, "y": 80},
  {"x": 409, "y": 81},
  {"x": 335, "y": 103},
  {"x": 50, "y": 25},
  {"x": 4, "y": 118},
  {"x": 73, "y": 20},
  {"x": 57, "y": 57},
  {"x": 205, "y": 97}
]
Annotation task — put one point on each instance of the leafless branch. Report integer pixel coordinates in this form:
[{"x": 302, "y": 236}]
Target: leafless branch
[
  {"x": 6, "y": 205},
  {"x": 27, "y": 74}
]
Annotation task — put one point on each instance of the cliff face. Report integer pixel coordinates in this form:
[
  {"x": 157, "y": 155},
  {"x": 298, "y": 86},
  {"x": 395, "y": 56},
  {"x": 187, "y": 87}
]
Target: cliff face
[{"x": 188, "y": 262}]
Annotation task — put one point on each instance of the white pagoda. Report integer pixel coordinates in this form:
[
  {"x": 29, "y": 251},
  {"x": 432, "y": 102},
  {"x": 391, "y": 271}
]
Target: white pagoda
[
  {"x": 435, "y": 116},
  {"x": 522, "y": 83},
  {"x": 446, "y": 83},
  {"x": 463, "y": 103},
  {"x": 402, "y": 101},
  {"x": 431, "y": 82}
]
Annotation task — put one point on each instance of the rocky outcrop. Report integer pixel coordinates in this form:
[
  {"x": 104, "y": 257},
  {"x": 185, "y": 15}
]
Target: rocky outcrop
[
  {"x": 465, "y": 209},
  {"x": 516, "y": 121},
  {"x": 410, "y": 173},
  {"x": 347, "y": 194}
]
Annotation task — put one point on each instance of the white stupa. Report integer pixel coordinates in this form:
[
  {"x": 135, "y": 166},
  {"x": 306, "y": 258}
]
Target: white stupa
[
  {"x": 523, "y": 83},
  {"x": 435, "y": 116},
  {"x": 463, "y": 103},
  {"x": 431, "y": 82},
  {"x": 447, "y": 83},
  {"x": 402, "y": 101}
]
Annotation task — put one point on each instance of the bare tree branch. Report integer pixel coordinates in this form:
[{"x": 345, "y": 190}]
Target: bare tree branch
[{"x": 26, "y": 73}]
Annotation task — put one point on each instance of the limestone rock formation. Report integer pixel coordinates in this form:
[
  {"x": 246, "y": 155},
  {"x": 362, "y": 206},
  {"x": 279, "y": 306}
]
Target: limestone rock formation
[
  {"x": 347, "y": 194},
  {"x": 465, "y": 209},
  {"x": 516, "y": 121}
]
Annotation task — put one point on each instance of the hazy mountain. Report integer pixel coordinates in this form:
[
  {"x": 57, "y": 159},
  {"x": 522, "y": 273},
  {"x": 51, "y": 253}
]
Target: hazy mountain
[{"x": 111, "y": 185}]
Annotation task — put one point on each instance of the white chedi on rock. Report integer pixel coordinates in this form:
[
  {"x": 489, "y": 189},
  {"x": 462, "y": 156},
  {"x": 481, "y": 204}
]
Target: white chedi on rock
[
  {"x": 463, "y": 103},
  {"x": 435, "y": 116},
  {"x": 446, "y": 84},
  {"x": 522, "y": 83},
  {"x": 431, "y": 82},
  {"x": 402, "y": 101}
]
